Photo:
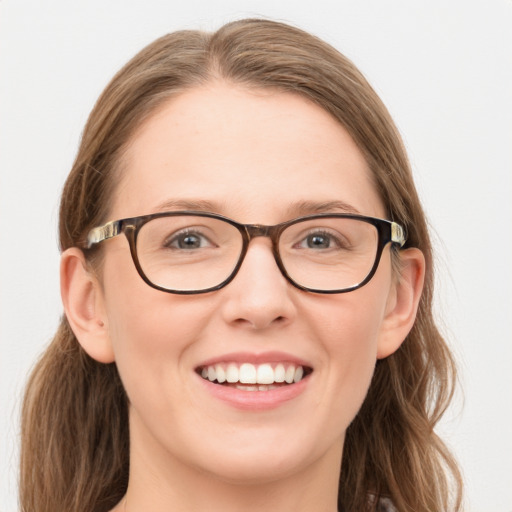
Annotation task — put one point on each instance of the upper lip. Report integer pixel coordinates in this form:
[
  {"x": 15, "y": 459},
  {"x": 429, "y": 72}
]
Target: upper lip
[{"x": 255, "y": 358}]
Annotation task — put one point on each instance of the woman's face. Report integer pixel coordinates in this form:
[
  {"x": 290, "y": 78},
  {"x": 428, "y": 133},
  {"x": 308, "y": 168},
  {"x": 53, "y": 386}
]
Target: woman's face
[{"x": 257, "y": 157}]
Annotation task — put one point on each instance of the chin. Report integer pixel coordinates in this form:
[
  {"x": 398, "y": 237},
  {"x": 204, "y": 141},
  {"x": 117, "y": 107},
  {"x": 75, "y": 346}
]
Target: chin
[
  {"x": 241, "y": 469},
  {"x": 259, "y": 459}
]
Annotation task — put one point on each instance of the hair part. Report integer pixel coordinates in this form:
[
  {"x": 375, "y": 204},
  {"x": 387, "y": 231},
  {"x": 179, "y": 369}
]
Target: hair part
[{"x": 75, "y": 439}]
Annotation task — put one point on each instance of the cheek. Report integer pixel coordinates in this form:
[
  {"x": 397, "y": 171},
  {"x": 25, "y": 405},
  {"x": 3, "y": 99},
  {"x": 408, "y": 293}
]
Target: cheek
[
  {"x": 353, "y": 349},
  {"x": 348, "y": 327},
  {"x": 151, "y": 331},
  {"x": 349, "y": 324}
]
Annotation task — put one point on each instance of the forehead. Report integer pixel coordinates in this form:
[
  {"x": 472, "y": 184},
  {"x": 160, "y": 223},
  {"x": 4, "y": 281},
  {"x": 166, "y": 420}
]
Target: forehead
[{"x": 251, "y": 154}]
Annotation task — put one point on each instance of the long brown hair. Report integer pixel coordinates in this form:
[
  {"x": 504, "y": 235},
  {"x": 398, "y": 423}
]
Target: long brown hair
[{"x": 75, "y": 439}]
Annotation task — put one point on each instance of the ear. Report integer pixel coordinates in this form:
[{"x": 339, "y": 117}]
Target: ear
[
  {"x": 402, "y": 302},
  {"x": 83, "y": 301}
]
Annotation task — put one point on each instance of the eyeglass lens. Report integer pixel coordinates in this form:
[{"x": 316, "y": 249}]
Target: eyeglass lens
[{"x": 186, "y": 253}]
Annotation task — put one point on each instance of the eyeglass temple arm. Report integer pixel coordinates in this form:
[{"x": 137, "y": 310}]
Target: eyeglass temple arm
[
  {"x": 397, "y": 234},
  {"x": 108, "y": 230}
]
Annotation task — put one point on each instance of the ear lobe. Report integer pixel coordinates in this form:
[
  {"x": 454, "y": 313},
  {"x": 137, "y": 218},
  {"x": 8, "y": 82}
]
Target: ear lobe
[
  {"x": 403, "y": 302},
  {"x": 82, "y": 298}
]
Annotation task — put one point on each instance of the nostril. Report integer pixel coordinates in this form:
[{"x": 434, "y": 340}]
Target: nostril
[{"x": 259, "y": 322}]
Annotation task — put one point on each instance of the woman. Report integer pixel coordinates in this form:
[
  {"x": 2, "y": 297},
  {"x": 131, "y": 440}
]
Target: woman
[{"x": 243, "y": 331}]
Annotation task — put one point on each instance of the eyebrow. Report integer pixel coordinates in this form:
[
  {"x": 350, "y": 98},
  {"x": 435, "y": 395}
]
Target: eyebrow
[
  {"x": 197, "y": 205},
  {"x": 311, "y": 207},
  {"x": 298, "y": 209}
]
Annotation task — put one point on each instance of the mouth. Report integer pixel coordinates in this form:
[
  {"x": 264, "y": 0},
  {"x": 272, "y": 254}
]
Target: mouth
[{"x": 254, "y": 377}]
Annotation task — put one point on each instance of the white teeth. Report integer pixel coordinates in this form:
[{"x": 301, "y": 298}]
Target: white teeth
[
  {"x": 232, "y": 373},
  {"x": 279, "y": 373},
  {"x": 289, "y": 375},
  {"x": 247, "y": 374},
  {"x": 263, "y": 375},
  {"x": 246, "y": 388},
  {"x": 261, "y": 387},
  {"x": 221, "y": 374}
]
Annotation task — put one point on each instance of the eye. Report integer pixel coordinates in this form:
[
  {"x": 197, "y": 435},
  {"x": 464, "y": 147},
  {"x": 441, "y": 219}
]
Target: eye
[
  {"x": 319, "y": 240},
  {"x": 187, "y": 240}
]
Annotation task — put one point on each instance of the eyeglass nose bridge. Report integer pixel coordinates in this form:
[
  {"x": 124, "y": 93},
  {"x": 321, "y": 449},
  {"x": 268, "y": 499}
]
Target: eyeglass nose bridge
[
  {"x": 255, "y": 230},
  {"x": 260, "y": 230}
]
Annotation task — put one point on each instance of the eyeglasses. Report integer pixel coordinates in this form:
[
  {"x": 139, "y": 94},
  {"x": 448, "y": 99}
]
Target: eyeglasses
[{"x": 188, "y": 252}]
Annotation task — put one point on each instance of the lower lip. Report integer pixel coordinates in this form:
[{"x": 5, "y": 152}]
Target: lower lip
[{"x": 256, "y": 400}]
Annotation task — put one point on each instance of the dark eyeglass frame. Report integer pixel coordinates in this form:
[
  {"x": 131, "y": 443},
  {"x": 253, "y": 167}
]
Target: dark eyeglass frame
[{"x": 388, "y": 232}]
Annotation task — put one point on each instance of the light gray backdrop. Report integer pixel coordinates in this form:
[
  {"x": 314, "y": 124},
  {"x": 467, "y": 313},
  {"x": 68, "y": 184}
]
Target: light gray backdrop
[{"x": 443, "y": 67}]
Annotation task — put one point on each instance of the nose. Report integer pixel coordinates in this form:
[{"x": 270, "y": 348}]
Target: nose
[{"x": 259, "y": 296}]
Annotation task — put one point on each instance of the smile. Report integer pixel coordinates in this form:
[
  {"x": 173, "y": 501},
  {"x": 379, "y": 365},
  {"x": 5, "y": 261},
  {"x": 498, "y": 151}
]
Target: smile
[{"x": 254, "y": 377}]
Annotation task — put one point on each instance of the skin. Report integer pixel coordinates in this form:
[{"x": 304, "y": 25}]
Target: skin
[{"x": 254, "y": 155}]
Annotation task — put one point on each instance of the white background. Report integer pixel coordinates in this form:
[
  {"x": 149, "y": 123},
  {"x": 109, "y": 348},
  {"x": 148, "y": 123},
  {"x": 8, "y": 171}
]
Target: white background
[{"x": 444, "y": 69}]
